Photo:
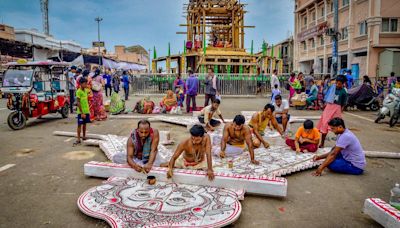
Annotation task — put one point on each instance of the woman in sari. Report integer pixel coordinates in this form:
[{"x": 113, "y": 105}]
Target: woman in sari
[
  {"x": 168, "y": 102},
  {"x": 97, "y": 101},
  {"x": 117, "y": 105},
  {"x": 291, "y": 86}
]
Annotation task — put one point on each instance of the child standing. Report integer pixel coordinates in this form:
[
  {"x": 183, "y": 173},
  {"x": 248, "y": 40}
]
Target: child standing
[
  {"x": 180, "y": 96},
  {"x": 275, "y": 92},
  {"x": 83, "y": 111}
]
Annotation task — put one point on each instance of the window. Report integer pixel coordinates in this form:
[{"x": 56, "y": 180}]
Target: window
[
  {"x": 321, "y": 40},
  {"x": 344, "y": 34},
  {"x": 304, "y": 45},
  {"x": 312, "y": 43},
  {"x": 362, "y": 27},
  {"x": 331, "y": 6},
  {"x": 322, "y": 11},
  {"x": 305, "y": 20},
  {"x": 313, "y": 15},
  {"x": 345, "y": 2},
  {"x": 389, "y": 25}
]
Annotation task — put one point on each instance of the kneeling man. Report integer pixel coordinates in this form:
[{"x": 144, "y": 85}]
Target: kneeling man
[
  {"x": 347, "y": 156},
  {"x": 192, "y": 153},
  {"x": 235, "y": 137},
  {"x": 259, "y": 122},
  {"x": 142, "y": 147}
]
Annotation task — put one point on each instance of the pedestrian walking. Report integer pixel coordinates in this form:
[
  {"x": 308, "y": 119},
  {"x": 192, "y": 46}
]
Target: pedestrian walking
[
  {"x": 212, "y": 87},
  {"x": 275, "y": 80},
  {"x": 107, "y": 79},
  {"x": 125, "y": 81},
  {"x": 72, "y": 88},
  {"x": 192, "y": 84}
]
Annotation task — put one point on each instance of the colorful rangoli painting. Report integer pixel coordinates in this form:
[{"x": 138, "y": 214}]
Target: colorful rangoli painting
[{"x": 127, "y": 202}]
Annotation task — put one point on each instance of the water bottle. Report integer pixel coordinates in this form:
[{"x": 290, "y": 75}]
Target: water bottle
[{"x": 395, "y": 197}]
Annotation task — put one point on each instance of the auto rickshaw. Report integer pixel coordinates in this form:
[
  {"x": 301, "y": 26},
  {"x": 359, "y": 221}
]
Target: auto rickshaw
[{"x": 35, "y": 89}]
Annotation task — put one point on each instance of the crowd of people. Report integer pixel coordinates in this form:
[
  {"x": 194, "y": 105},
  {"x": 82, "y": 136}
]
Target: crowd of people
[
  {"x": 347, "y": 156},
  {"x": 195, "y": 152}
]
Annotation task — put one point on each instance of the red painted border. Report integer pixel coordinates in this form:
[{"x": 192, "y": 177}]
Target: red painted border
[
  {"x": 373, "y": 200},
  {"x": 195, "y": 172}
]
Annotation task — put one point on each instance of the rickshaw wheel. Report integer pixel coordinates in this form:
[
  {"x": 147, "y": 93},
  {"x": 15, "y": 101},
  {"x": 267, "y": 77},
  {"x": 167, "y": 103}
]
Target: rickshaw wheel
[
  {"x": 64, "y": 111},
  {"x": 15, "y": 122}
]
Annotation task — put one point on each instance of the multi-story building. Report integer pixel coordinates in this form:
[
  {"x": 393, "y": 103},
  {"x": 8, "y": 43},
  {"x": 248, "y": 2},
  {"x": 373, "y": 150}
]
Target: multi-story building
[
  {"x": 134, "y": 54},
  {"x": 367, "y": 29},
  {"x": 284, "y": 50}
]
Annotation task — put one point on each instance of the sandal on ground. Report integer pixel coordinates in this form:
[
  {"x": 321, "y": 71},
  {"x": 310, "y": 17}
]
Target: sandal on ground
[{"x": 77, "y": 142}]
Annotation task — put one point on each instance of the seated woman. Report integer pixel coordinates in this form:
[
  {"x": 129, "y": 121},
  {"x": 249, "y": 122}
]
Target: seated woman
[
  {"x": 307, "y": 138},
  {"x": 144, "y": 106},
  {"x": 117, "y": 105},
  {"x": 168, "y": 102},
  {"x": 313, "y": 95}
]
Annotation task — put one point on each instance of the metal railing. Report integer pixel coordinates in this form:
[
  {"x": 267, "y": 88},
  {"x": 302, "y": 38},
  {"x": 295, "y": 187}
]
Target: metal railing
[{"x": 230, "y": 84}]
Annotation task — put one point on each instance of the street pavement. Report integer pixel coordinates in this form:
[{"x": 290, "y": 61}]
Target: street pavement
[{"x": 42, "y": 188}]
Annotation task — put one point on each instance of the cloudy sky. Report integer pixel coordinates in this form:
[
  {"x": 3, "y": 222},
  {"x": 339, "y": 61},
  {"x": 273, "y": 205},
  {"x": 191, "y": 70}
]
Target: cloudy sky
[{"x": 145, "y": 22}]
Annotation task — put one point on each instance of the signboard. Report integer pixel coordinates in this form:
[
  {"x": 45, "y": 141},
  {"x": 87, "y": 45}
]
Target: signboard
[
  {"x": 98, "y": 43},
  {"x": 311, "y": 32}
]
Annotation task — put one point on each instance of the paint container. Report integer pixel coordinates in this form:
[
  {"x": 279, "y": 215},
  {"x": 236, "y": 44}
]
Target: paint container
[
  {"x": 230, "y": 164},
  {"x": 151, "y": 180}
]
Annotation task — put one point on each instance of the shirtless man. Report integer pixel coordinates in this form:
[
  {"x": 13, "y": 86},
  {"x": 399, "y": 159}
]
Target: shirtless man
[
  {"x": 192, "y": 153},
  {"x": 235, "y": 135},
  {"x": 259, "y": 121},
  {"x": 142, "y": 147}
]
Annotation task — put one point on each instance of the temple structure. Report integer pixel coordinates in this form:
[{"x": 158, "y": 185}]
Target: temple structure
[{"x": 215, "y": 38}]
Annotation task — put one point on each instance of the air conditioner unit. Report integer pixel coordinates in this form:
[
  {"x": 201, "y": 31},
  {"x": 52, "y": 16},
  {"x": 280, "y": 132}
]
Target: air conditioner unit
[{"x": 330, "y": 32}]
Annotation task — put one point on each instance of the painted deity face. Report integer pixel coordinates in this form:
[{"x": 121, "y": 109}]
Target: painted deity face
[
  {"x": 196, "y": 140},
  {"x": 144, "y": 131},
  {"x": 162, "y": 198}
]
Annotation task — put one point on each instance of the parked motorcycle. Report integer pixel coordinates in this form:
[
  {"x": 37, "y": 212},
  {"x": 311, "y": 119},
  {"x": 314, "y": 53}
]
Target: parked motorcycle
[
  {"x": 363, "y": 97},
  {"x": 390, "y": 103},
  {"x": 395, "y": 116}
]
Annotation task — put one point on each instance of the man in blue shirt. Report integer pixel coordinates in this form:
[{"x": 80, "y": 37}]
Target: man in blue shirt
[
  {"x": 192, "y": 84},
  {"x": 107, "y": 79},
  {"x": 126, "y": 80},
  {"x": 349, "y": 79}
]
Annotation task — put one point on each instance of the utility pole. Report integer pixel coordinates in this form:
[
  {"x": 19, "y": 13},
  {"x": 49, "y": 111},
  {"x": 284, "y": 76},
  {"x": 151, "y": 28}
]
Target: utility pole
[
  {"x": 335, "y": 37},
  {"x": 98, "y": 19}
]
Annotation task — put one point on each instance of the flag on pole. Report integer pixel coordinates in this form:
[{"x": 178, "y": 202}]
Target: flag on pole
[
  {"x": 154, "y": 53},
  {"x": 251, "y": 51},
  {"x": 169, "y": 49},
  {"x": 204, "y": 45},
  {"x": 184, "y": 47}
]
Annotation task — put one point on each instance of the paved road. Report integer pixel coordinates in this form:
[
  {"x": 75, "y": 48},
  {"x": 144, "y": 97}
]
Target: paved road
[{"x": 43, "y": 186}]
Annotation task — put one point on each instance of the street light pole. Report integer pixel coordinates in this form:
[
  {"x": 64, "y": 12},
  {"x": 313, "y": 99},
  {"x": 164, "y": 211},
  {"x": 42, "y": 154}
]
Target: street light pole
[
  {"x": 149, "y": 61},
  {"x": 98, "y": 19},
  {"x": 335, "y": 37}
]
